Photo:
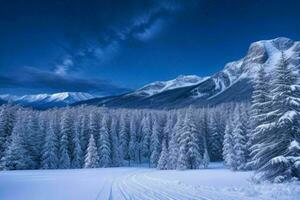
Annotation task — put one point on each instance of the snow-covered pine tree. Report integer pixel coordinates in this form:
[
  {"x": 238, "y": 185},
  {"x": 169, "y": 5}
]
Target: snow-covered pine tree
[
  {"x": 83, "y": 130},
  {"x": 3, "y": 137},
  {"x": 228, "y": 144},
  {"x": 115, "y": 144},
  {"x": 174, "y": 142},
  {"x": 284, "y": 167},
  {"x": 245, "y": 110},
  {"x": 64, "y": 148},
  {"x": 163, "y": 159},
  {"x": 104, "y": 144},
  {"x": 64, "y": 158},
  {"x": 91, "y": 157},
  {"x": 7, "y": 120},
  {"x": 204, "y": 130},
  {"x": 133, "y": 140},
  {"x": 139, "y": 137},
  {"x": 239, "y": 147},
  {"x": 77, "y": 158},
  {"x": 124, "y": 136},
  {"x": 293, "y": 156},
  {"x": 275, "y": 136},
  {"x": 146, "y": 132},
  {"x": 217, "y": 125},
  {"x": 260, "y": 107},
  {"x": 155, "y": 142},
  {"x": 50, "y": 149},
  {"x": 94, "y": 126},
  {"x": 189, "y": 155},
  {"x": 17, "y": 156},
  {"x": 33, "y": 138}
]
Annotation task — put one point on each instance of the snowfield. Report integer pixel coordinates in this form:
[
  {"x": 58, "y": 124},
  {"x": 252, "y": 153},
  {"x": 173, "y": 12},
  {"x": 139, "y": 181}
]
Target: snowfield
[{"x": 215, "y": 183}]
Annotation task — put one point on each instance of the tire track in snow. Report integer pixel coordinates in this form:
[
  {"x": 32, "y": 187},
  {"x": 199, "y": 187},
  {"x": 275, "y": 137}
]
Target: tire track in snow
[
  {"x": 197, "y": 191},
  {"x": 142, "y": 185},
  {"x": 171, "y": 188},
  {"x": 137, "y": 186}
]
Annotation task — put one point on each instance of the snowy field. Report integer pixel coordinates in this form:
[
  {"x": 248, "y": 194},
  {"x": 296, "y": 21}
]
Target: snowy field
[{"x": 215, "y": 183}]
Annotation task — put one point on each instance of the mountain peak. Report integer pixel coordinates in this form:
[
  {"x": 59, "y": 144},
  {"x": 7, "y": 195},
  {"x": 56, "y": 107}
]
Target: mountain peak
[
  {"x": 160, "y": 86},
  {"x": 48, "y": 100},
  {"x": 282, "y": 43}
]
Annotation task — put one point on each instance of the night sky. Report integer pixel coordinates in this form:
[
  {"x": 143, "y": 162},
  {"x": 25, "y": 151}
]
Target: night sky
[{"x": 108, "y": 47}]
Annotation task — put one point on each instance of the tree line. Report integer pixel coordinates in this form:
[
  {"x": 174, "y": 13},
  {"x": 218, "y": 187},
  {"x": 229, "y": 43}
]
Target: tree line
[{"x": 90, "y": 136}]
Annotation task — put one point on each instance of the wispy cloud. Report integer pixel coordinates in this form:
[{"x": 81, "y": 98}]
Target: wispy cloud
[
  {"x": 62, "y": 68},
  {"x": 49, "y": 81},
  {"x": 140, "y": 27},
  {"x": 151, "y": 31}
]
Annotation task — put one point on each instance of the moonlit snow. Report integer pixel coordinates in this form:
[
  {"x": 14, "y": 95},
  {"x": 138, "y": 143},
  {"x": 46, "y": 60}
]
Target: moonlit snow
[{"x": 215, "y": 183}]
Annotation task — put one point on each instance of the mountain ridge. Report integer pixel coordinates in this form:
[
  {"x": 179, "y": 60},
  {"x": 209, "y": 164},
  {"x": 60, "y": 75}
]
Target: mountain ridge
[
  {"x": 233, "y": 83},
  {"x": 44, "y": 101}
]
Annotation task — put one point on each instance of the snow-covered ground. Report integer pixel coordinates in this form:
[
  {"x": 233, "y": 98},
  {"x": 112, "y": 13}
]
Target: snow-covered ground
[{"x": 215, "y": 183}]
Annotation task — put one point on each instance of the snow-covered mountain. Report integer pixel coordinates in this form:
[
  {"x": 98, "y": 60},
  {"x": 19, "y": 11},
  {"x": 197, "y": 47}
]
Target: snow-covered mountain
[
  {"x": 161, "y": 86},
  {"x": 48, "y": 100},
  {"x": 233, "y": 83}
]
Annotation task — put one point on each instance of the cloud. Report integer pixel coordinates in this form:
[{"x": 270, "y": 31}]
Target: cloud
[
  {"x": 150, "y": 32},
  {"x": 30, "y": 78},
  {"x": 108, "y": 40},
  {"x": 149, "y": 24},
  {"x": 61, "y": 69}
]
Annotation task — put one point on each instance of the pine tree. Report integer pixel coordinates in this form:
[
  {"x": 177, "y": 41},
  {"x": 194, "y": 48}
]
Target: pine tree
[
  {"x": 66, "y": 149},
  {"x": 155, "y": 143},
  {"x": 204, "y": 131},
  {"x": 174, "y": 142},
  {"x": 104, "y": 145},
  {"x": 50, "y": 150},
  {"x": 83, "y": 130},
  {"x": 94, "y": 126},
  {"x": 146, "y": 132},
  {"x": 260, "y": 107},
  {"x": 77, "y": 160},
  {"x": 163, "y": 159},
  {"x": 189, "y": 155},
  {"x": 91, "y": 157},
  {"x": 228, "y": 144},
  {"x": 133, "y": 144},
  {"x": 33, "y": 139},
  {"x": 3, "y": 136},
  {"x": 282, "y": 127},
  {"x": 7, "y": 120},
  {"x": 215, "y": 138},
  {"x": 64, "y": 158},
  {"x": 239, "y": 147},
  {"x": 124, "y": 137},
  {"x": 17, "y": 156},
  {"x": 115, "y": 144}
]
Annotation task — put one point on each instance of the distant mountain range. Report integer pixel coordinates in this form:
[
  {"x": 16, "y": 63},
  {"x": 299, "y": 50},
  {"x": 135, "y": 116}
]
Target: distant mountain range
[
  {"x": 232, "y": 84},
  {"x": 44, "y": 101}
]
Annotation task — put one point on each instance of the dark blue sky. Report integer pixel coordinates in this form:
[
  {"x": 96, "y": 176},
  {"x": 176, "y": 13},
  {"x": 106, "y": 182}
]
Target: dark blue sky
[{"x": 106, "y": 46}]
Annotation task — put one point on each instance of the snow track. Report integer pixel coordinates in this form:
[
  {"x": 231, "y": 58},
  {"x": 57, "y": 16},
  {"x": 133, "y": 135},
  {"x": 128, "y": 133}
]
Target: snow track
[{"x": 141, "y": 185}]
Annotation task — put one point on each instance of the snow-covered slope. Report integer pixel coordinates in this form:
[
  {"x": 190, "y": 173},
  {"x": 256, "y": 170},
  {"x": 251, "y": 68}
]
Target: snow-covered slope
[
  {"x": 233, "y": 83},
  {"x": 48, "y": 100},
  {"x": 120, "y": 183},
  {"x": 161, "y": 86}
]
